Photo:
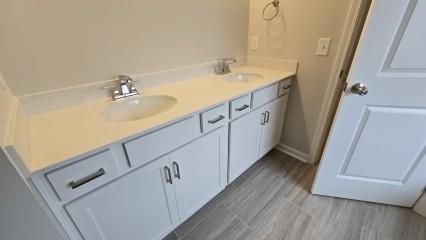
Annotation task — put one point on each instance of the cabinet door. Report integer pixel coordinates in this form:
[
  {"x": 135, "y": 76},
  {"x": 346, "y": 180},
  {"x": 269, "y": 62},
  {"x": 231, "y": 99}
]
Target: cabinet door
[
  {"x": 199, "y": 171},
  {"x": 273, "y": 126},
  {"x": 136, "y": 206},
  {"x": 244, "y": 139}
]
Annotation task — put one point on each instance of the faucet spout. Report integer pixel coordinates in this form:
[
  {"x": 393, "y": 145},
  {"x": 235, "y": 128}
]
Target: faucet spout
[
  {"x": 125, "y": 88},
  {"x": 222, "y": 66}
]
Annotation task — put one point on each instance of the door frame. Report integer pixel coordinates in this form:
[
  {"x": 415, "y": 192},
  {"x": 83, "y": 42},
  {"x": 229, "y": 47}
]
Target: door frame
[{"x": 354, "y": 24}]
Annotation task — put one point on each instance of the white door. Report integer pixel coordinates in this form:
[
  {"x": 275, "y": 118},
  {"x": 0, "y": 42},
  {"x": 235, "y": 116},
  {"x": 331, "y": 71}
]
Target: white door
[
  {"x": 140, "y": 205},
  {"x": 244, "y": 138},
  {"x": 376, "y": 149},
  {"x": 272, "y": 125},
  {"x": 199, "y": 171}
]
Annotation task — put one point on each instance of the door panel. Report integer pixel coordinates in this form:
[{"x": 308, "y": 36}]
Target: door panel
[
  {"x": 244, "y": 139},
  {"x": 272, "y": 129},
  {"x": 200, "y": 171},
  {"x": 140, "y": 205},
  {"x": 380, "y": 151},
  {"x": 375, "y": 151},
  {"x": 408, "y": 52}
]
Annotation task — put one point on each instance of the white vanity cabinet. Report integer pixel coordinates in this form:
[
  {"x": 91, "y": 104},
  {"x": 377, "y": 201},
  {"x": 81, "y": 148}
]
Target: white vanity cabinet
[
  {"x": 144, "y": 186},
  {"x": 256, "y": 133},
  {"x": 199, "y": 171},
  {"x": 149, "y": 202},
  {"x": 140, "y": 205},
  {"x": 272, "y": 124},
  {"x": 244, "y": 138}
]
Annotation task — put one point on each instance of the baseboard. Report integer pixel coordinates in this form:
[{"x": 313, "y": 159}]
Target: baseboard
[{"x": 293, "y": 152}]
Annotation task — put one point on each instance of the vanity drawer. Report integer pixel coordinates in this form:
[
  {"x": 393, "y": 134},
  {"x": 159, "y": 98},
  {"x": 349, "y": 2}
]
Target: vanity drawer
[
  {"x": 78, "y": 178},
  {"x": 240, "y": 106},
  {"x": 152, "y": 145},
  {"x": 284, "y": 87},
  {"x": 214, "y": 118},
  {"x": 265, "y": 95}
]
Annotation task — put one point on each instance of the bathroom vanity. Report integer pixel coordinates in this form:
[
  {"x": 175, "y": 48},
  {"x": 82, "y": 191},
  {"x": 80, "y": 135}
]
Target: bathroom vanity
[{"x": 143, "y": 178}]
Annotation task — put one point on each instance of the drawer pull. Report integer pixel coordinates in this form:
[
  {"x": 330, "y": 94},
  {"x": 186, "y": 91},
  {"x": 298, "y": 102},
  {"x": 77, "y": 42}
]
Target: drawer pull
[
  {"x": 286, "y": 86},
  {"x": 168, "y": 175},
  {"x": 82, "y": 181},
  {"x": 220, "y": 118},
  {"x": 176, "y": 170},
  {"x": 242, "y": 108},
  {"x": 267, "y": 116}
]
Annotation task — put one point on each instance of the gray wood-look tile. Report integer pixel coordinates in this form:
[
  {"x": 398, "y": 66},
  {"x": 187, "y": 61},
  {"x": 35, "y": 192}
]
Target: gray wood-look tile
[
  {"x": 272, "y": 201},
  {"x": 321, "y": 207},
  {"x": 220, "y": 224},
  {"x": 196, "y": 218},
  {"x": 171, "y": 236},
  {"x": 255, "y": 168},
  {"x": 400, "y": 223},
  {"x": 282, "y": 220},
  {"x": 251, "y": 198}
]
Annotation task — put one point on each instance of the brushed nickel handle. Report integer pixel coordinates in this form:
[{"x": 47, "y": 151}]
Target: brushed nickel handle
[
  {"x": 263, "y": 118},
  {"x": 176, "y": 170},
  {"x": 168, "y": 175},
  {"x": 245, "y": 106},
  {"x": 220, "y": 118},
  {"x": 267, "y": 116},
  {"x": 82, "y": 181},
  {"x": 286, "y": 87},
  {"x": 360, "y": 89}
]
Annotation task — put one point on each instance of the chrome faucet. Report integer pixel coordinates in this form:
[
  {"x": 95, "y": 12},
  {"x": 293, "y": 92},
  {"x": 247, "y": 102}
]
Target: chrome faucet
[
  {"x": 125, "y": 88},
  {"x": 222, "y": 66}
]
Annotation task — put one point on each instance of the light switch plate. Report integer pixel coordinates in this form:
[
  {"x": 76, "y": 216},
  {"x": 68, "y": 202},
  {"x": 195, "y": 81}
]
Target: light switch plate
[
  {"x": 323, "y": 46},
  {"x": 254, "y": 43}
]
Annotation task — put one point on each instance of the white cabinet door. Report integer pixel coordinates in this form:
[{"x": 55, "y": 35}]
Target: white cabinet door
[
  {"x": 138, "y": 206},
  {"x": 199, "y": 171},
  {"x": 272, "y": 124},
  {"x": 244, "y": 139}
]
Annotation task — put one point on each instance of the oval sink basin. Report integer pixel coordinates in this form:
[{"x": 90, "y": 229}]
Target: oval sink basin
[
  {"x": 139, "y": 108},
  {"x": 242, "y": 77}
]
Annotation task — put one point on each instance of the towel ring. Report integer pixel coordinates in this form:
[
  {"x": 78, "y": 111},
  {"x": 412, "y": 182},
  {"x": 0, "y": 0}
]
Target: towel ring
[{"x": 276, "y": 4}]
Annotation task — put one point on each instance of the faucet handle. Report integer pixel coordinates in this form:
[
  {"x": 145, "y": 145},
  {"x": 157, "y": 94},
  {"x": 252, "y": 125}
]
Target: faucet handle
[
  {"x": 229, "y": 60},
  {"x": 124, "y": 78}
]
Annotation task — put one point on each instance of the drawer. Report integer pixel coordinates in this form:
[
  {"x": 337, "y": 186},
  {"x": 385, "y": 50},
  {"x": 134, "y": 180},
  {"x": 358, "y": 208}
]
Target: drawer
[
  {"x": 240, "y": 106},
  {"x": 265, "y": 95},
  {"x": 76, "y": 179},
  {"x": 284, "y": 87},
  {"x": 153, "y": 145},
  {"x": 214, "y": 118}
]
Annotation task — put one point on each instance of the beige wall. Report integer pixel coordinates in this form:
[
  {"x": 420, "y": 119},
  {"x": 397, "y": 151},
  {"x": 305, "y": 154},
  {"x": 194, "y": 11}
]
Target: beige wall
[
  {"x": 6, "y": 99},
  {"x": 294, "y": 35},
  {"x": 51, "y": 44}
]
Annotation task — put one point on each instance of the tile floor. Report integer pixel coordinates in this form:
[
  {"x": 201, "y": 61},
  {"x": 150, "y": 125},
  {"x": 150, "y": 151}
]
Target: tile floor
[{"x": 271, "y": 201}]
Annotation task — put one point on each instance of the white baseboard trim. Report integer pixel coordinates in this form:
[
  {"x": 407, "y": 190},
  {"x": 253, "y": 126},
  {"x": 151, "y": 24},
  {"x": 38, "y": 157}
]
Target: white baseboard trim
[{"x": 293, "y": 152}]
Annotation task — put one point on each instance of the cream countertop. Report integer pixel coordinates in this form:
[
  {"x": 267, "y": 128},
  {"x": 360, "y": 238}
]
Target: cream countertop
[{"x": 60, "y": 135}]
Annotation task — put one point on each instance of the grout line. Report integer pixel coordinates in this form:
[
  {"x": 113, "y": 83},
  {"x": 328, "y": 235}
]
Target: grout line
[
  {"x": 208, "y": 214},
  {"x": 199, "y": 223},
  {"x": 238, "y": 217},
  {"x": 235, "y": 188}
]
